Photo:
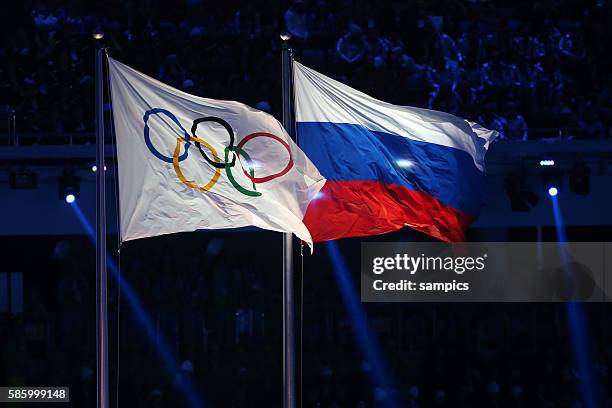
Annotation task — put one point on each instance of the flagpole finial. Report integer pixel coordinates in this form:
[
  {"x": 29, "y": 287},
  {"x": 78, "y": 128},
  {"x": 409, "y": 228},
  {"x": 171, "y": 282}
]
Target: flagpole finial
[
  {"x": 98, "y": 34},
  {"x": 285, "y": 35}
]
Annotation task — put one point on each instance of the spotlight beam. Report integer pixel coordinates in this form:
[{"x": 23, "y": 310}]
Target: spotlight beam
[
  {"x": 144, "y": 319},
  {"x": 578, "y": 328},
  {"x": 364, "y": 337}
]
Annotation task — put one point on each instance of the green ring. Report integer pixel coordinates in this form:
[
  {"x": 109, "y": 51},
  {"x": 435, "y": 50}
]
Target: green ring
[{"x": 231, "y": 177}]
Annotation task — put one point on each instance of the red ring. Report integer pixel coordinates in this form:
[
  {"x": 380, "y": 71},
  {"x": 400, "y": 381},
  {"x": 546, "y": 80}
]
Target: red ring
[{"x": 271, "y": 176}]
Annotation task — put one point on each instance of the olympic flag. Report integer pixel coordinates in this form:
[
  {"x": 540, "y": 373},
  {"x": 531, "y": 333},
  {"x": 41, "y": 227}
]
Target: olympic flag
[
  {"x": 189, "y": 163},
  {"x": 387, "y": 166}
]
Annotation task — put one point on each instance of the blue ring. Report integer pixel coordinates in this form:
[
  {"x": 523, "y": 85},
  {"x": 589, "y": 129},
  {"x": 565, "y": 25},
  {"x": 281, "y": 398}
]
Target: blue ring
[{"x": 147, "y": 137}]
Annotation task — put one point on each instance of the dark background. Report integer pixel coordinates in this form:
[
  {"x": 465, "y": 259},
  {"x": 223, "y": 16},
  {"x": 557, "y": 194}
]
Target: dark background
[
  {"x": 533, "y": 70},
  {"x": 198, "y": 297},
  {"x": 508, "y": 65}
]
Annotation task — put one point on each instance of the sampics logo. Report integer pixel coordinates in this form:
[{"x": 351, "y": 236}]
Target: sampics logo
[{"x": 412, "y": 264}]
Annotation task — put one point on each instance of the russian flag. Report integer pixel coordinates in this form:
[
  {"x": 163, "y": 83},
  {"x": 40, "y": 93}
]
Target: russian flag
[{"x": 387, "y": 166}]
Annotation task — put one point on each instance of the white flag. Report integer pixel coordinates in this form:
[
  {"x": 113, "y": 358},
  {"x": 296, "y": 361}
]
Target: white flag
[{"x": 189, "y": 163}]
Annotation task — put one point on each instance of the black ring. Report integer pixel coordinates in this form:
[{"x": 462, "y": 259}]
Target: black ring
[{"x": 231, "y": 143}]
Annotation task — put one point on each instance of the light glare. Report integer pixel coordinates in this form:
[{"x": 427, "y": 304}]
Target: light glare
[{"x": 405, "y": 164}]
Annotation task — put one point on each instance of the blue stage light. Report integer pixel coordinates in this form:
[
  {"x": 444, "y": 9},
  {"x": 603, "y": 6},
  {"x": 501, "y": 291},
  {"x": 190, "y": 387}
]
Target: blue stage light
[
  {"x": 581, "y": 342},
  {"x": 553, "y": 191},
  {"x": 68, "y": 187},
  {"x": 146, "y": 322},
  {"x": 365, "y": 337},
  {"x": 547, "y": 162}
]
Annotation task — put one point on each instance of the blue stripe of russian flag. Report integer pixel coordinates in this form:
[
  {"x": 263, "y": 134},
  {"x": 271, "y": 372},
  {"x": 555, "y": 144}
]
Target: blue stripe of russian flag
[{"x": 349, "y": 152}]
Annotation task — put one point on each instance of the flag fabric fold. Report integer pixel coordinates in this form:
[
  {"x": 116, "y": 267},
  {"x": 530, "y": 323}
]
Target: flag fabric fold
[
  {"x": 387, "y": 166},
  {"x": 188, "y": 163}
]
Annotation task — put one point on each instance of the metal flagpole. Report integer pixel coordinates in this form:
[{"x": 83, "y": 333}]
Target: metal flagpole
[
  {"x": 289, "y": 383},
  {"x": 101, "y": 299}
]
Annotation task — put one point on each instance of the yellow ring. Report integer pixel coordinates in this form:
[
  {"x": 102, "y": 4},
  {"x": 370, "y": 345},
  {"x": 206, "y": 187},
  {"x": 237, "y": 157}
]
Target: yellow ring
[{"x": 179, "y": 173}]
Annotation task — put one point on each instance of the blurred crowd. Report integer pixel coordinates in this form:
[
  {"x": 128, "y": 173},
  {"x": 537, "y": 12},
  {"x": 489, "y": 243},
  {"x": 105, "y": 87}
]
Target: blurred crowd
[
  {"x": 528, "y": 69},
  {"x": 209, "y": 323}
]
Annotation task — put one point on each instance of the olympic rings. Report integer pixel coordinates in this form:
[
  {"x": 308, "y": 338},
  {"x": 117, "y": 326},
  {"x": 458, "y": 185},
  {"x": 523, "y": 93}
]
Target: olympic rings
[
  {"x": 147, "y": 137},
  {"x": 215, "y": 162},
  {"x": 229, "y": 130},
  {"x": 271, "y": 176},
  {"x": 179, "y": 173},
  {"x": 231, "y": 178}
]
